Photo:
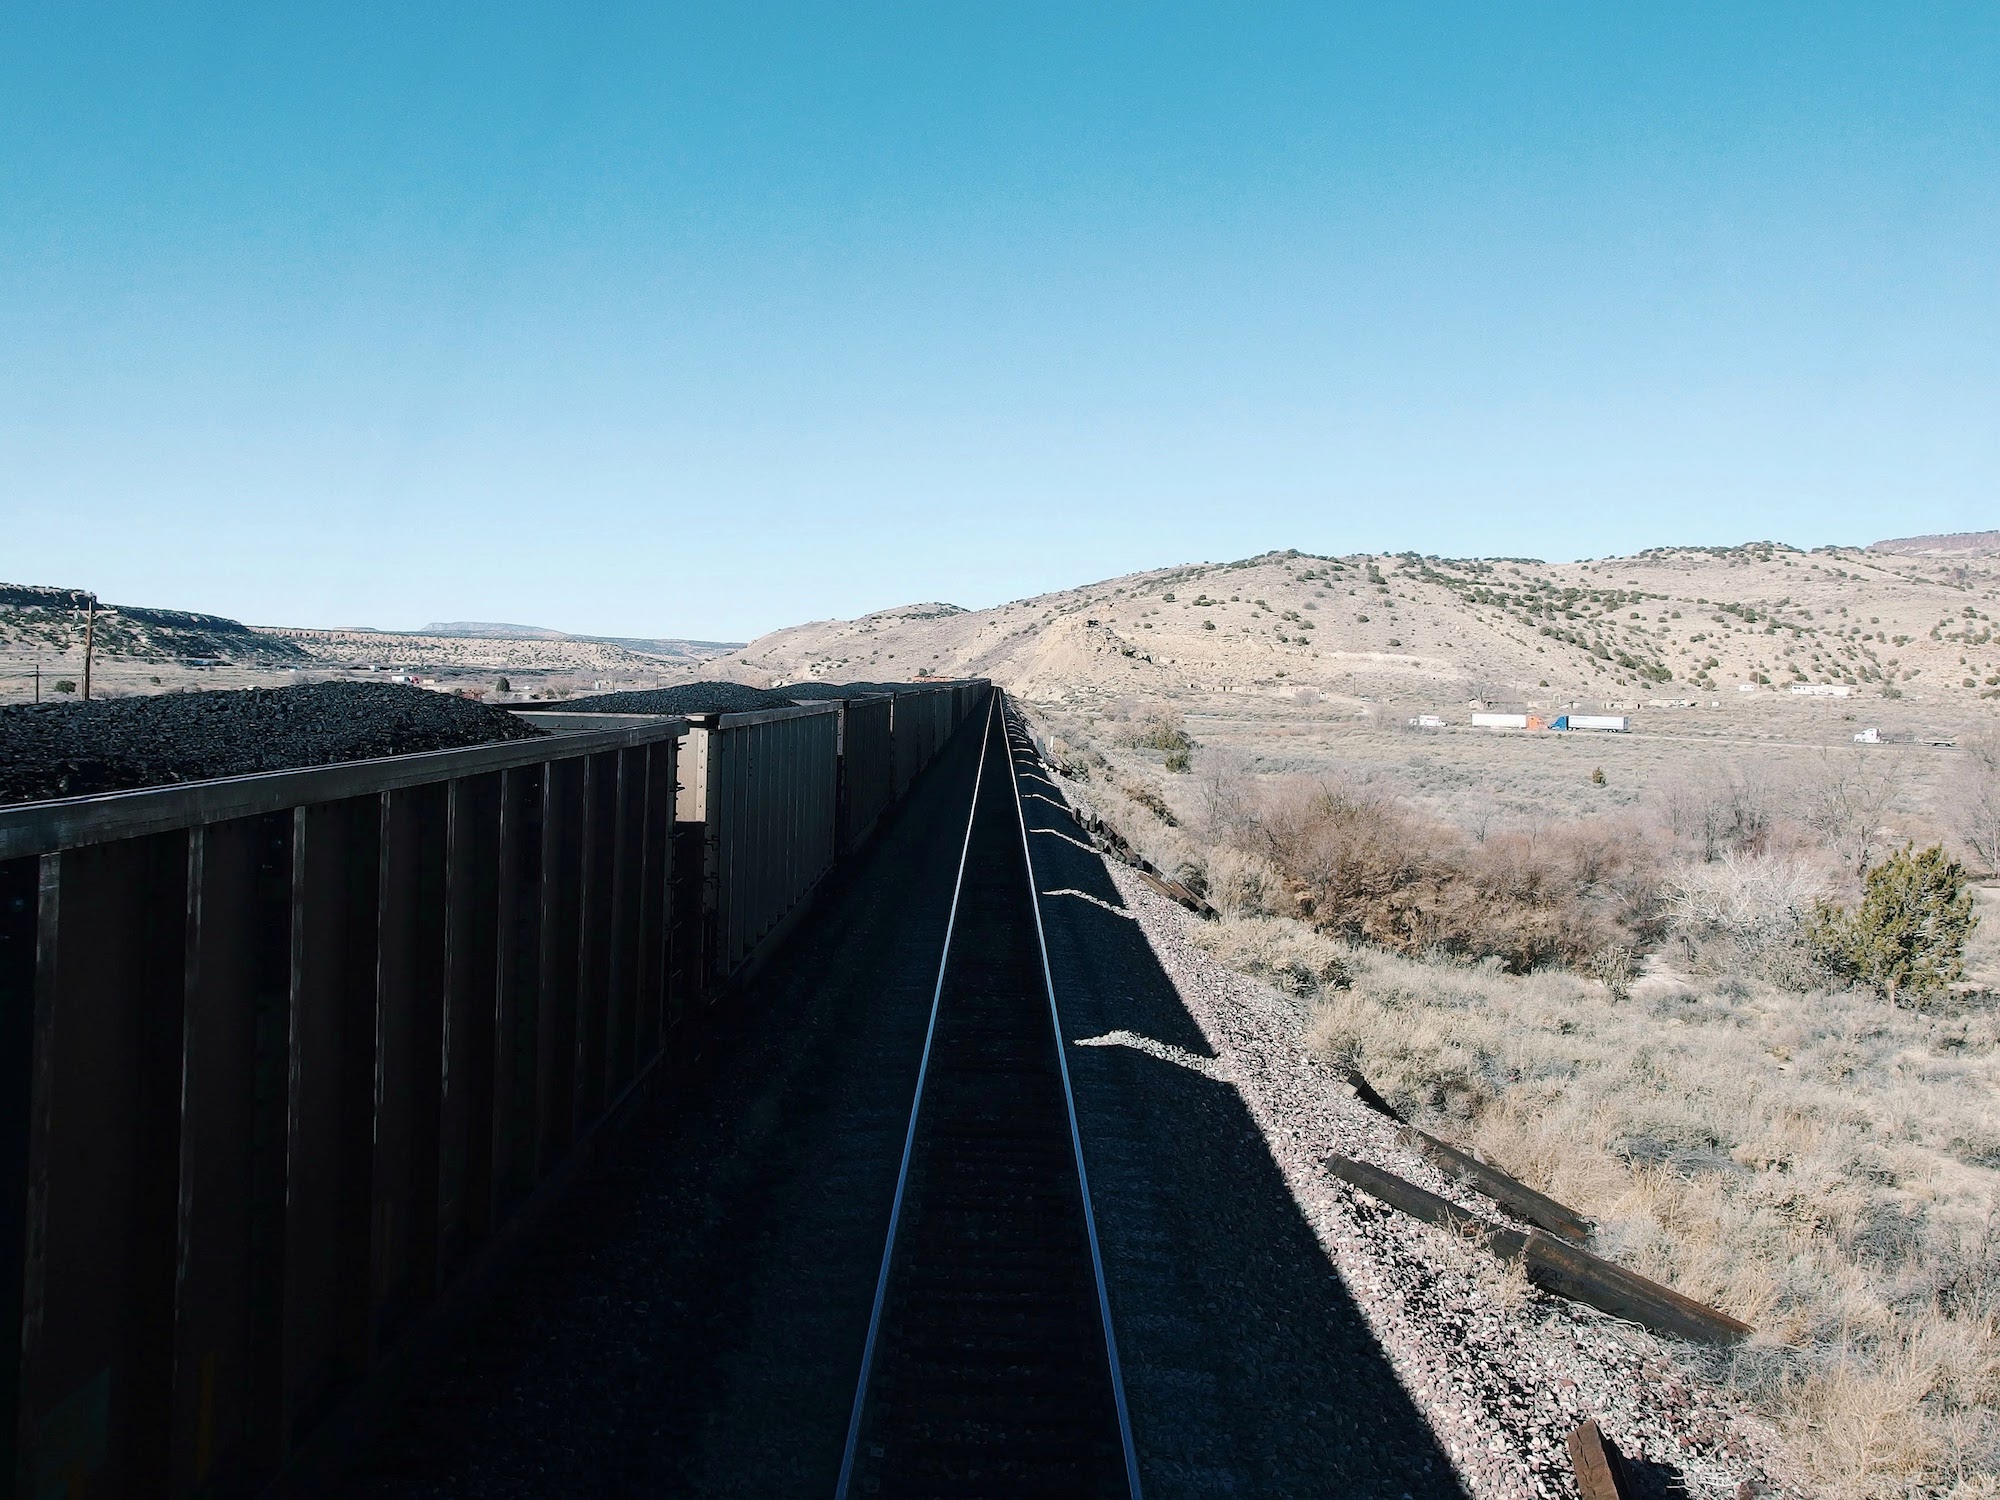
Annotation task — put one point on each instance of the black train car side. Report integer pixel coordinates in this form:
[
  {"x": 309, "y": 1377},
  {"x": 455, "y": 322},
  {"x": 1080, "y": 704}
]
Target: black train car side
[{"x": 283, "y": 1052}]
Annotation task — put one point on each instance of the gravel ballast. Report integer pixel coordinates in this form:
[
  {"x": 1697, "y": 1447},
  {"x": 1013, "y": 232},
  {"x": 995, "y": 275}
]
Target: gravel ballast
[{"x": 50, "y": 750}]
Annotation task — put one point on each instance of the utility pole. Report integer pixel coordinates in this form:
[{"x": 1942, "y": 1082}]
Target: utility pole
[
  {"x": 38, "y": 682},
  {"x": 89, "y": 639}
]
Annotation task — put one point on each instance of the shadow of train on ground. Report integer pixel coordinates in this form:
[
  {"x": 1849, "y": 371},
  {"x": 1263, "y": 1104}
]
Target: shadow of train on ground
[{"x": 1248, "y": 1367}]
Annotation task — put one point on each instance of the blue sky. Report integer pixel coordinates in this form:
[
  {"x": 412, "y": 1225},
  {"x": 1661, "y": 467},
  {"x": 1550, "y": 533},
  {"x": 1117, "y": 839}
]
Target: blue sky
[{"x": 702, "y": 320}]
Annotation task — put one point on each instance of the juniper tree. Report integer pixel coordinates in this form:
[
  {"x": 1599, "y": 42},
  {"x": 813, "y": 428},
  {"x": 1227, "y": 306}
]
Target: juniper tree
[{"x": 1908, "y": 933}]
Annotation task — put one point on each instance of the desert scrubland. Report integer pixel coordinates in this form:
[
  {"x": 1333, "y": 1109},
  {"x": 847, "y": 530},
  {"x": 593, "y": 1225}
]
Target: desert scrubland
[
  {"x": 1591, "y": 958},
  {"x": 1601, "y": 961}
]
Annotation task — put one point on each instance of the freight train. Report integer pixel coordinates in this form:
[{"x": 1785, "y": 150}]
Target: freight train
[{"x": 285, "y": 1054}]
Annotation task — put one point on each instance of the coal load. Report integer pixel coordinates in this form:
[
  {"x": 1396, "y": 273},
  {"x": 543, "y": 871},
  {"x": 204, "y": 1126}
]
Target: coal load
[
  {"x": 685, "y": 698},
  {"x": 827, "y": 691},
  {"x": 83, "y": 749}
]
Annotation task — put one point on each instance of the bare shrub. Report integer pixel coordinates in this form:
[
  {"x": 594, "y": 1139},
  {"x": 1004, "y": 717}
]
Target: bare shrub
[
  {"x": 1244, "y": 885},
  {"x": 1712, "y": 817},
  {"x": 1162, "y": 729},
  {"x": 1745, "y": 914},
  {"x": 1975, "y": 798},
  {"x": 1228, "y": 799},
  {"x": 1562, "y": 894},
  {"x": 1370, "y": 869},
  {"x": 1613, "y": 966},
  {"x": 1847, "y": 801},
  {"x": 1152, "y": 801}
]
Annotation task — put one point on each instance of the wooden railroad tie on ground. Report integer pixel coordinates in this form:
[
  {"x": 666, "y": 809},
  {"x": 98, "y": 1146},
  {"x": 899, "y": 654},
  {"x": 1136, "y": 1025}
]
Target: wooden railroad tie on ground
[
  {"x": 1112, "y": 842},
  {"x": 1600, "y": 1468},
  {"x": 1565, "y": 1269},
  {"x": 1509, "y": 1192}
]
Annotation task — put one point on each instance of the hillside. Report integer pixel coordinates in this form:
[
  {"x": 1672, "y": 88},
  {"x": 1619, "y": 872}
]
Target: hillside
[
  {"x": 37, "y": 621},
  {"x": 553, "y": 652},
  {"x": 1668, "y": 623}
]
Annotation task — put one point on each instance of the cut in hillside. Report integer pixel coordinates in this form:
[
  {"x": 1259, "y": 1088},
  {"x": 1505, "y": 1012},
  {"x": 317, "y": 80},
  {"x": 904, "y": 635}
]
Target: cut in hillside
[{"x": 1674, "y": 623}]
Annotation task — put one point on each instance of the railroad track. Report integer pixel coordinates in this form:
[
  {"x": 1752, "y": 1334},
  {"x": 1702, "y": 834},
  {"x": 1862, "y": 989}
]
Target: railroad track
[{"x": 990, "y": 1366}]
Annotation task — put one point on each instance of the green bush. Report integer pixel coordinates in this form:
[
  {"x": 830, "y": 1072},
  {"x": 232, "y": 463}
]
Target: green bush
[
  {"x": 1163, "y": 730},
  {"x": 1153, "y": 802},
  {"x": 65, "y": 685},
  {"x": 1908, "y": 934}
]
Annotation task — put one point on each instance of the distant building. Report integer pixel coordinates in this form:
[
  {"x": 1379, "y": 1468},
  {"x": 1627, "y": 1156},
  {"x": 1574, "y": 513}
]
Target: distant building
[{"x": 1820, "y": 690}]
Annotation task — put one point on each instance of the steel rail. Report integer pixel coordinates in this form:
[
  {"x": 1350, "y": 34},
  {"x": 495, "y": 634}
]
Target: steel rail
[
  {"x": 1075, "y": 1135},
  {"x": 910, "y": 1135}
]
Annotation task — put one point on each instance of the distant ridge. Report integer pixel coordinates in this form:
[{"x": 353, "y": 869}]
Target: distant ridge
[
  {"x": 1950, "y": 544},
  {"x": 481, "y": 630}
]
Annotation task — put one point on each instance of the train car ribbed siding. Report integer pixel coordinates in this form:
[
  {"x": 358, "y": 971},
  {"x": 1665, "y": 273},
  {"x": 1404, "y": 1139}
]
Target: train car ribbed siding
[
  {"x": 280, "y": 1053},
  {"x": 868, "y": 772},
  {"x": 260, "y": 1028}
]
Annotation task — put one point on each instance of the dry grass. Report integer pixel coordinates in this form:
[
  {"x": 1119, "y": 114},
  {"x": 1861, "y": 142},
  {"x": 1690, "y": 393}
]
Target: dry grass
[{"x": 1821, "y": 1165}]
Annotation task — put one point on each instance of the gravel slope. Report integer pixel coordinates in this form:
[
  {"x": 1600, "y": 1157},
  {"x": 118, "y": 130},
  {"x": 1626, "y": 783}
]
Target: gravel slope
[{"x": 81, "y": 749}]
